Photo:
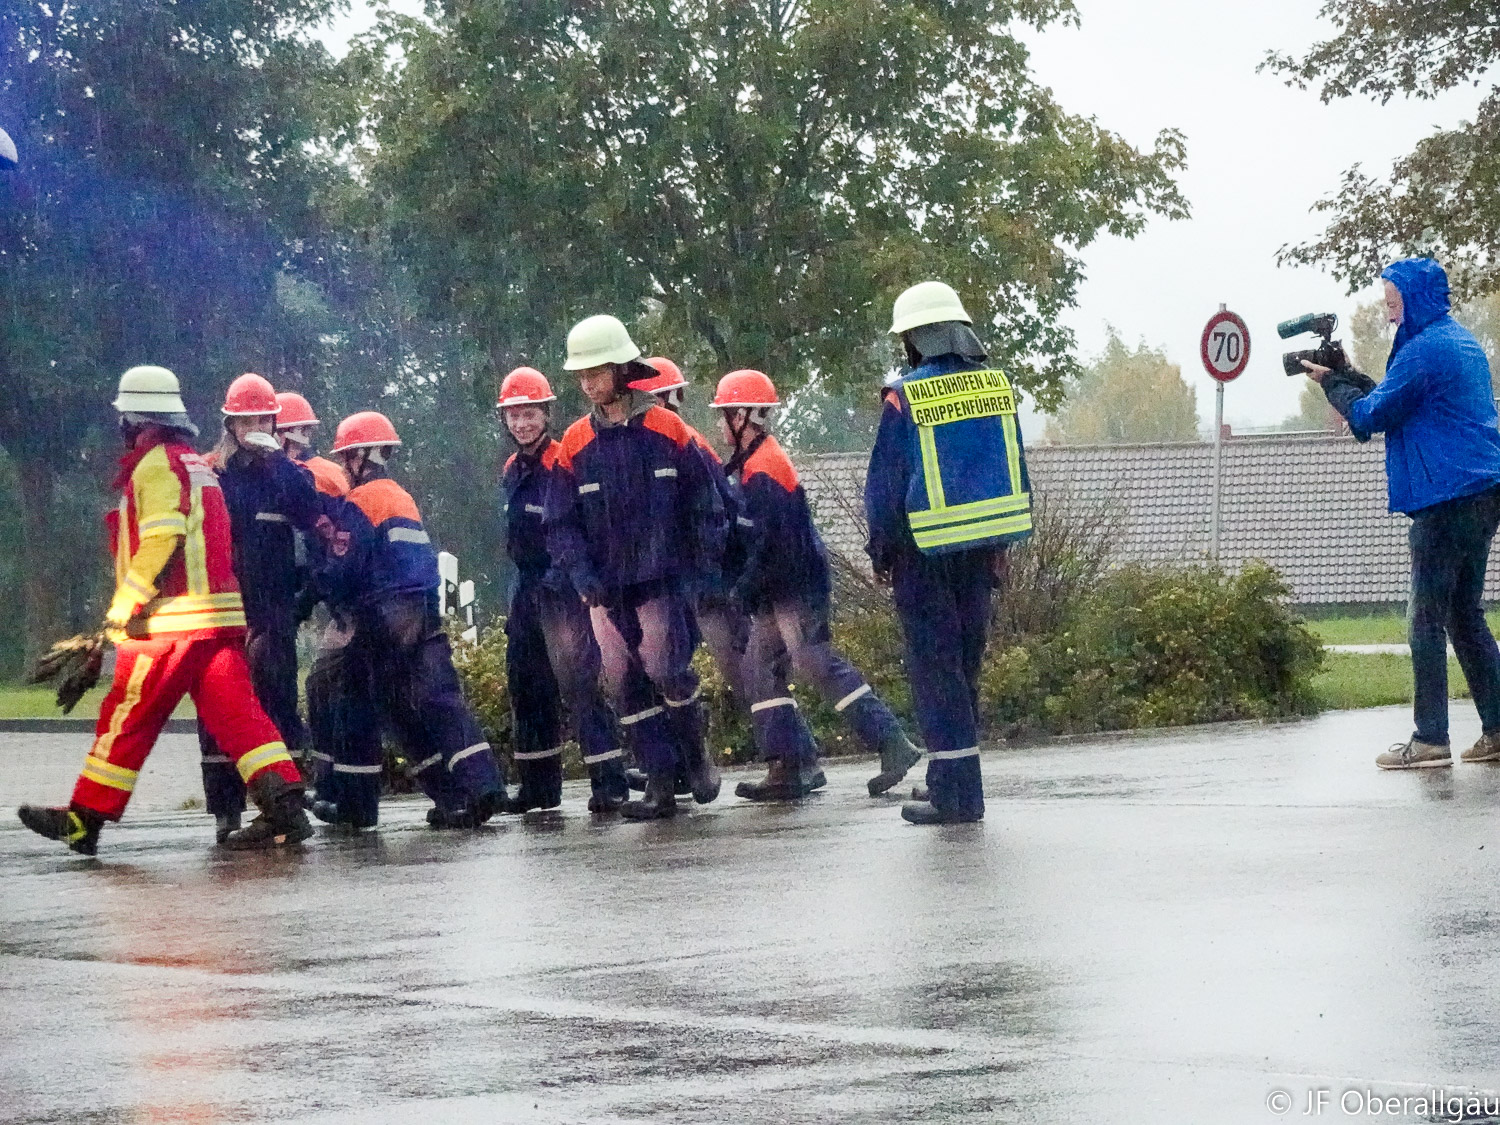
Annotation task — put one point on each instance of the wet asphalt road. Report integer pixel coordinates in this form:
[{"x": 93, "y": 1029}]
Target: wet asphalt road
[{"x": 1154, "y": 930}]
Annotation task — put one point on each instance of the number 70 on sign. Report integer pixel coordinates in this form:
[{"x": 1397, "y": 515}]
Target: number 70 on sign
[{"x": 1225, "y": 347}]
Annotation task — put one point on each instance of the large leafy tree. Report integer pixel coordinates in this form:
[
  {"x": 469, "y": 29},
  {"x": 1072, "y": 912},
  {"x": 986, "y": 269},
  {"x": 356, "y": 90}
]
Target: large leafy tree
[
  {"x": 1127, "y": 395},
  {"x": 166, "y": 195},
  {"x": 1440, "y": 199},
  {"x": 756, "y": 177}
]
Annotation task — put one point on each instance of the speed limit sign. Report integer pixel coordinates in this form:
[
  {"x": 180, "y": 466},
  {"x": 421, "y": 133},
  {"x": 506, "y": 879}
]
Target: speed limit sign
[{"x": 1225, "y": 347}]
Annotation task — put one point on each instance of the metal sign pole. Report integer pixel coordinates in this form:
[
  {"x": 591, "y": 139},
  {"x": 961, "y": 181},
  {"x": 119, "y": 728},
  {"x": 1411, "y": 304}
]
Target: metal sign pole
[
  {"x": 1213, "y": 518},
  {"x": 1225, "y": 351}
]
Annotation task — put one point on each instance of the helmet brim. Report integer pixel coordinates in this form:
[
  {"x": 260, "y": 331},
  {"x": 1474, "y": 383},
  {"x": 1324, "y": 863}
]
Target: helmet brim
[{"x": 365, "y": 445}]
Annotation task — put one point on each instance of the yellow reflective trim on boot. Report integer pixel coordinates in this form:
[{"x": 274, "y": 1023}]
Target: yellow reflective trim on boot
[
  {"x": 77, "y": 830},
  {"x": 109, "y": 775},
  {"x": 261, "y": 757}
]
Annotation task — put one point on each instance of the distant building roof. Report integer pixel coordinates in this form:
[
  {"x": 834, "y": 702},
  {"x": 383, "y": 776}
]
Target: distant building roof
[{"x": 1311, "y": 505}]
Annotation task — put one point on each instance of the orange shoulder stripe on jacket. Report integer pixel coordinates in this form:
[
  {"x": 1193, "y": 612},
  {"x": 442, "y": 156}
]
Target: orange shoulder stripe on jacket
[
  {"x": 330, "y": 478},
  {"x": 664, "y": 422},
  {"x": 772, "y": 460},
  {"x": 578, "y": 435},
  {"x": 509, "y": 461},
  {"x": 384, "y": 499},
  {"x": 551, "y": 454}
]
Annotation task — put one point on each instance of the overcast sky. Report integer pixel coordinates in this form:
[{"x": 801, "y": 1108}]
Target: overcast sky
[{"x": 1259, "y": 155}]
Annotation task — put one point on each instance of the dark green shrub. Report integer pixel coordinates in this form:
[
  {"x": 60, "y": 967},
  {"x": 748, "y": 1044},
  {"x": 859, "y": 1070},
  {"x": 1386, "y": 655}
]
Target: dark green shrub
[{"x": 1163, "y": 646}]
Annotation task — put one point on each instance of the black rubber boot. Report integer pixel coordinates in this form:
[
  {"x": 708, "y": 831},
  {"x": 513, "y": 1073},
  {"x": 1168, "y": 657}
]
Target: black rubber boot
[
  {"x": 896, "y": 757},
  {"x": 782, "y": 782},
  {"x": 283, "y": 815},
  {"x": 527, "y": 799},
  {"x": 609, "y": 786},
  {"x": 703, "y": 776},
  {"x": 489, "y": 803},
  {"x": 440, "y": 817},
  {"x": 636, "y": 781},
  {"x": 224, "y": 824},
  {"x": 657, "y": 803},
  {"x": 76, "y": 827},
  {"x": 604, "y": 803},
  {"x": 925, "y": 812}
]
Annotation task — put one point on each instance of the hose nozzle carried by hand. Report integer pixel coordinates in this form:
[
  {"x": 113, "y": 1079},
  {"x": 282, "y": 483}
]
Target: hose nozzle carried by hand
[{"x": 74, "y": 665}]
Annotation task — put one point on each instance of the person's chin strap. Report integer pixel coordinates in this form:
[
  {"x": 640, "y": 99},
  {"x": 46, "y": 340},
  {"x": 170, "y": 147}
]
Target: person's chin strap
[
  {"x": 741, "y": 455},
  {"x": 371, "y": 461}
]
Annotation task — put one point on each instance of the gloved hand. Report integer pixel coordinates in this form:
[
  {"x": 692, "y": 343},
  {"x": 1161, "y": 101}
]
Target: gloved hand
[
  {"x": 591, "y": 590},
  {"x": 121, "y": 609},
  {"x": 74, "y": 664},
  {"x": 1348, "y": 377}
]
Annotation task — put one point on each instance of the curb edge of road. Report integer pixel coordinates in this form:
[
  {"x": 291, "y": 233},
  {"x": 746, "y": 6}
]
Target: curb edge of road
[{"x": 74, "y": 726}]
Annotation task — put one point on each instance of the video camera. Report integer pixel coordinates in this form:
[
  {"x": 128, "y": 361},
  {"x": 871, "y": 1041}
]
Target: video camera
[{"x": 1329, "y": 353}]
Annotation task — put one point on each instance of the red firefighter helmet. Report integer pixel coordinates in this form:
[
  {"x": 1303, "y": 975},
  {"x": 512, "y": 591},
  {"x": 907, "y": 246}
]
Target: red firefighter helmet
[
  {"x": 369, "y": 429},
  {"x": 525, "y": 386},
  {"x": 295, "y": 411},
  {"x": 668, "y": 377},
  {"x": 747, "y": 389},
  {"x": 250, "y": 396}
]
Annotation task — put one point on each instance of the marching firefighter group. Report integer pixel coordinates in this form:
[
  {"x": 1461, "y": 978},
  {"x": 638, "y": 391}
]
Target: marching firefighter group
[{"x": 633, "y": 541}]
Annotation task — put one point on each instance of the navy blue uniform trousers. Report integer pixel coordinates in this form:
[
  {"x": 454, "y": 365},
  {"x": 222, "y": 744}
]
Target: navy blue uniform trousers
[
  {"x": 396, "y": 673},
  {"x": 646, "y": 645},
  {"x": 552, "y": 666},
  {"x": 944, "y": 605}
]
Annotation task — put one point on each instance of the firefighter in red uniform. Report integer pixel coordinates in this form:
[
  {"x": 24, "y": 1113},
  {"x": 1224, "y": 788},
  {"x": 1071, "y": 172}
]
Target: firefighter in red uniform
[{"x": 178, "y": 625}]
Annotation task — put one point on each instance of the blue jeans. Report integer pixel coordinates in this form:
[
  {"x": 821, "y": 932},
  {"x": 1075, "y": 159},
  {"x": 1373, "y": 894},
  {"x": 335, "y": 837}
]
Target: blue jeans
[{"x": 1450, "y": 549}]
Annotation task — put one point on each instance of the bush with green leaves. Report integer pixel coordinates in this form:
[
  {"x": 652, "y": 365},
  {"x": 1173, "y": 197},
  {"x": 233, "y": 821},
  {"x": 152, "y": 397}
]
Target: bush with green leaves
[{"x": 1154, "y": 647}]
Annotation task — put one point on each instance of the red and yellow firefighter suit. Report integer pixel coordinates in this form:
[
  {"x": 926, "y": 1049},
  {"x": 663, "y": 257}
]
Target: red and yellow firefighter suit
[{"x": 178, "y": 625}]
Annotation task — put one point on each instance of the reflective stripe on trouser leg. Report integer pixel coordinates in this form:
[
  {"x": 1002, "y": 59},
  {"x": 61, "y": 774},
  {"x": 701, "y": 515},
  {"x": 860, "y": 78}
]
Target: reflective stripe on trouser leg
[
  {"x": 431, "y": 716},
  {"x": 345, "y": 731},
  {"x": 540, "y": 774},
  {"x": 943, "y": 603},
  {"x": 150, "y": 678},
  {"x": 779, "y": 729},
  {"x": 805, "y": 631}
]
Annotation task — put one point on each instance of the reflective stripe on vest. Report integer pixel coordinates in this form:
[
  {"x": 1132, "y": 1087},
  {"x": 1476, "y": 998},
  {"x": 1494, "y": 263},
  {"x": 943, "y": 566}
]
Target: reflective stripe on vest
[{"x": 963, "y": 396}]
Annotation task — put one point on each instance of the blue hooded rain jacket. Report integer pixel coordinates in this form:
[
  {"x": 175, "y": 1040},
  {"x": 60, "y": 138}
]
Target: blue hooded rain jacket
[{"x": 1435, "y": 404}]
